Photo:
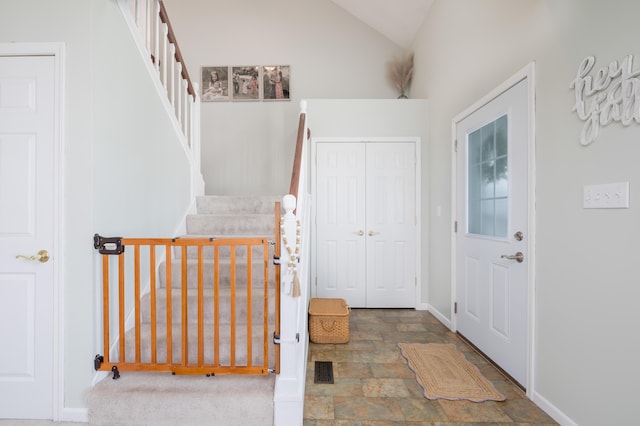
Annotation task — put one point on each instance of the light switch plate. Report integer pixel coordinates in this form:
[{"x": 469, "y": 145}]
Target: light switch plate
[{"x": 606, "y": 196}]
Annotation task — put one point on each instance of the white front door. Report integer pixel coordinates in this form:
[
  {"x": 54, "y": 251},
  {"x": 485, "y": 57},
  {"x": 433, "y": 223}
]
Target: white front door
[
  {"x": 27, "y": 114},
  {"x": 492, "y": 228},
  {"x": 366, "y": 223}
]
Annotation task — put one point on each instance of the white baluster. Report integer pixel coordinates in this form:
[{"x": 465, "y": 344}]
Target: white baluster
[
  {"x": 133, "y": 7},
  {"x": 163, "y": 62},
  {"x": 172, "y": 73},
  {"x": 177, "y": 85},
  {"x": 185, "y": 108},
  {"x": 195, "y": 124},
  {"x": 148, "y": 24},
  {"x": 156, "y": 34}
]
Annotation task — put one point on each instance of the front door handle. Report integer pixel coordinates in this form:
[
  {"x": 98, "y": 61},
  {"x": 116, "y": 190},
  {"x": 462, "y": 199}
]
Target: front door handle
[
  {"x": 42, "y": 256},
  {"x": 518, "y": 256}
]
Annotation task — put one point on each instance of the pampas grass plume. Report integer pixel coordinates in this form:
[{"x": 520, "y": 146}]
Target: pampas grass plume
[{"x": 401, "y": 72}]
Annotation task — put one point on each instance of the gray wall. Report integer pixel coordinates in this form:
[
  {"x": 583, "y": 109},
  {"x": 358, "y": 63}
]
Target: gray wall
[
  {"x": 586, "y": 277},
  {"x": 124, "y": 173},
  {"x": 247, "y": 147}
]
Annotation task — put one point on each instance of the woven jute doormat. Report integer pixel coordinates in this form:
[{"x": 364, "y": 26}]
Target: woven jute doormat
[{"x": 444, "y": 373}]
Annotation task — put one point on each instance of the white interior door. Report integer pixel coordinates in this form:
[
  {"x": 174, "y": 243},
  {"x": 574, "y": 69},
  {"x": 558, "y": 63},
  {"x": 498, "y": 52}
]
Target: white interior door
[
  {"x": 26, "y": 227},
  {"x": 366, "y": 223},
  {"x": 391, "y": 225},
  {"x": 492, "y": 232},
  {"x": 341, "y": 221}
]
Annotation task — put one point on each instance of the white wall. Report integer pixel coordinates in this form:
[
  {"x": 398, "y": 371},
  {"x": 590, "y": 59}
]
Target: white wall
[
  {"x": 586, "y": 276},
  {"x": 141, "y": 171},
  {"x": 122, "y": 174},
  {"x": 247, "y": 147}
]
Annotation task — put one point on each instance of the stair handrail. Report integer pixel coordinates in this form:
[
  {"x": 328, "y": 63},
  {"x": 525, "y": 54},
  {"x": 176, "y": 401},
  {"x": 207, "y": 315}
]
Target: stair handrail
[
  {"x": 294, "y": 286},
  {"x": 164, "y": 18},
  {"x": 297, "y": 158}
]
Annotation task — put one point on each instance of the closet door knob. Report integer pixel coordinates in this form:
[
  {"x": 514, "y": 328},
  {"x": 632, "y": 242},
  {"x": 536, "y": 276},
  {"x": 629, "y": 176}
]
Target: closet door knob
[{"x": 41, "y": 256}]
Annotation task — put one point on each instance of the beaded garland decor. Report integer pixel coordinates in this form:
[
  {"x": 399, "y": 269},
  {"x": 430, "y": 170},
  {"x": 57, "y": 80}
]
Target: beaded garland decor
[{"x": 292, "y": 263}]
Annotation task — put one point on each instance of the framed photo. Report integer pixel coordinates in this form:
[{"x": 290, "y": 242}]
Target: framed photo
[
  {"x": 215, "y": 84},
  {"x": 245, "y": 83},
  {"x": 276, "y": 82}
]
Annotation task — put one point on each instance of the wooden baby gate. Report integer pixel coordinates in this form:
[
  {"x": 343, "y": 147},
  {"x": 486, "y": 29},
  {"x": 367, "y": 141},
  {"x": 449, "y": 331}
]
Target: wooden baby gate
[{"x": 210, "y": 317}]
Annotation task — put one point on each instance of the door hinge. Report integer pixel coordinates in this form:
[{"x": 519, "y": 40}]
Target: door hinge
[
  {"x": 455, "y": 307},
  {"x": 455, "y": 145},
  {"x": 455, "y": 226}
]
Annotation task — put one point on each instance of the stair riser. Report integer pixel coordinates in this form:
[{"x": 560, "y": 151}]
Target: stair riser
[
  {"x": 213, "y": 204},
  {"x": 224, "y": 351},
  {"x": 250, "y": 225},
  {"x": 257, "y": 309},
  {"x": 257, "y": 276},
  {"x": 224, "y": 252}
]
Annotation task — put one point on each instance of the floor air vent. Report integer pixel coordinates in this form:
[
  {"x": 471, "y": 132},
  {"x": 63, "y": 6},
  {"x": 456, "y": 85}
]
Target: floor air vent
[{"x": 323, "y": 372}]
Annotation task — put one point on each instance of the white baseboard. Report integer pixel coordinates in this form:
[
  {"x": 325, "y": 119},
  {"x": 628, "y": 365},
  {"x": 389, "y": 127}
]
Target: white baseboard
[
  {"x": 552, "y": 410},
  {"x": 422, "y": 307},
  {"x": 288, "y": 413},
  {"x": 538, "y": 399},
  {"x": 443, "y": 319},
  {"x": 78, "y": 415},
  {"x": 98, "y": 376}
]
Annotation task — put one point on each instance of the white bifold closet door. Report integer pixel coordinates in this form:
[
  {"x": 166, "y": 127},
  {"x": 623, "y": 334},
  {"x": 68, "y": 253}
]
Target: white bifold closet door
[{"x": 366, "y": 223}]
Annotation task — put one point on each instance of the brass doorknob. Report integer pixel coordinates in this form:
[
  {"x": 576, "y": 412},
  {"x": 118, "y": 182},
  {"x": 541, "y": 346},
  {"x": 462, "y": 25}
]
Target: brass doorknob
[{"x": 41, "y": 256}]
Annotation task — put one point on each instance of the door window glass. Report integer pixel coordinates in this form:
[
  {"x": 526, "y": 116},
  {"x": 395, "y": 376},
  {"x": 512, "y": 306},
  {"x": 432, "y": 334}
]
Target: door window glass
[{"x": 488, "y": 179}]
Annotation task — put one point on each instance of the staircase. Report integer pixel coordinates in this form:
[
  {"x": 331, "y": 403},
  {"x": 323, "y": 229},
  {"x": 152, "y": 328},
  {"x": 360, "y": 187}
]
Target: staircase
[{"x": 161, "y": 398}]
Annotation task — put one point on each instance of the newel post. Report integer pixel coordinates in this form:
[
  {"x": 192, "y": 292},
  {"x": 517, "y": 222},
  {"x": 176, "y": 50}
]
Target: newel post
[{"x": 289, "y": 385}]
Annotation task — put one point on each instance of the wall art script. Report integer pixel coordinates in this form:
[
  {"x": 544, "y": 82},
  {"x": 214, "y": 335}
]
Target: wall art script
[{"x": 611, "y": 94}]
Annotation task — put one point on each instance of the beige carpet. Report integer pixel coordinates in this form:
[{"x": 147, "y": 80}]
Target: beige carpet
[{"x": 444, "y": 373}]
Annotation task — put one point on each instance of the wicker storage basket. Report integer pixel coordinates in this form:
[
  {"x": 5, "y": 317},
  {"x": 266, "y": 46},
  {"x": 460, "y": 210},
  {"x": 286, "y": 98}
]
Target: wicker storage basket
[{"x": 328, "y": 320}]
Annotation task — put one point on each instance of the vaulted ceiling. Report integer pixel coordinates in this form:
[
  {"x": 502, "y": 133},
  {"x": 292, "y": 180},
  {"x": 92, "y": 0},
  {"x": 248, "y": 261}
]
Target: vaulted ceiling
[{"x": 398, "y": 20}]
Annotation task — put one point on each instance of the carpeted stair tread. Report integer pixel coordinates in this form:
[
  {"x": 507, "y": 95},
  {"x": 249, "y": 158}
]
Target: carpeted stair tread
[
  {"x": 257, "y": 280},
  {"x": 232, "y": 224},
  {"x": 224, "y": 349},
  {"x": 214, "y": 236},
  {"x": 224, "y": 251},
  {"x": 240, "y": 204},
  {"x": 257, "y": 306},
  {"x": 163, "y": 399}
]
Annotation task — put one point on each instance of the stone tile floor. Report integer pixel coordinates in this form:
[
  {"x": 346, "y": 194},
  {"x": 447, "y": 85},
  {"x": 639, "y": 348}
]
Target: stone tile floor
[{"x": 373, "y": 386}]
